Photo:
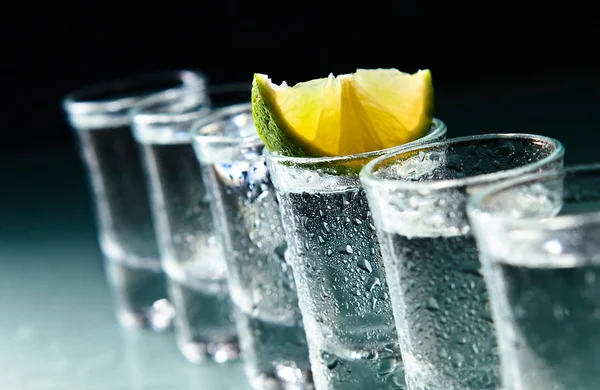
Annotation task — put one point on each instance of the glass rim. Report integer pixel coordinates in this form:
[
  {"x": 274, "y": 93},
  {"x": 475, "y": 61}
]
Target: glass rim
[
  {"x": 476, "y": 201},
  {"x": 368, "y": 172},
  {"x": 78, "y": 101},
  {"x": 197, "y": 128},
  {"x": 138, "y": 113},
  {"x": 438, "y": 128}
]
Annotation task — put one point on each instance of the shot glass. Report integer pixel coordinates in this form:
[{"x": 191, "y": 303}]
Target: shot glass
[
  {"x": 539, "y": 236},
  {"x": 99, "y": 119},
  {"x": 191, "y": 253},
  {"x": 335, "y": 257},
  {"x": 418, "y": 198},
  {"x": 261, "y": 283}
]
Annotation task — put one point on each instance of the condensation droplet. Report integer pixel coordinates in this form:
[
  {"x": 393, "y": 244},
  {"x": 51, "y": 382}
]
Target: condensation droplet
[
  {"x": 331, "y": 360},
  {"x": 364, "y": 264},
  {"x": 347, "y": 249},
  {"x": 432, "y": 304}
]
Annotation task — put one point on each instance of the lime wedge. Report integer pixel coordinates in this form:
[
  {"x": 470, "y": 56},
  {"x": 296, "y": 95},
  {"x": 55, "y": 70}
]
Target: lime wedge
[{"x": 337, "y": 116}]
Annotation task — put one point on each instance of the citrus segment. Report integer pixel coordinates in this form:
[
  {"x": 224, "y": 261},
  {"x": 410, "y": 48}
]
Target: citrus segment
[{"x": 336, "y": 116}]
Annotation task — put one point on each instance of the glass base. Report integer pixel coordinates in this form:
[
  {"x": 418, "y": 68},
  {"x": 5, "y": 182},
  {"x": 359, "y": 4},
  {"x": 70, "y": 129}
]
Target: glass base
[
  {"x": 140, "y": 295},
  {"x": 157, "y": 317},
  {"x": 284, "y": 378},
  {"x": 197, "y": 352}
]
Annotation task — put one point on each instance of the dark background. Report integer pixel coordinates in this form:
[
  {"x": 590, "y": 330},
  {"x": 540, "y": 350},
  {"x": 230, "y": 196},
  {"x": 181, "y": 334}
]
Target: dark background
[{"x": 496, "y": 66}]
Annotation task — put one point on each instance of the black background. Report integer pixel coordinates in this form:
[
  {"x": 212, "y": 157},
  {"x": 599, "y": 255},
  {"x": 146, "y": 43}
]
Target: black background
[{"x": 477, "y": 53}]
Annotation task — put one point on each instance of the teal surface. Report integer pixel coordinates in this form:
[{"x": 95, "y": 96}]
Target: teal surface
[{"x": 57, "y": 328}]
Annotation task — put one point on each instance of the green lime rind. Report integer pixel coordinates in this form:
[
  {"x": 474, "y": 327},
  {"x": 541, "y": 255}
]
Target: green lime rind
[
  {"x": 271, "y": 126},
  {"x": 269, "y": 130},
  {"x": 276, "y": 140}
]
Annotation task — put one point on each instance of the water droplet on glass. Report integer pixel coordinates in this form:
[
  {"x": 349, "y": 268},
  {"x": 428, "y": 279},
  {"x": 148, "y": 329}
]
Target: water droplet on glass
[
  {"x": 280, "y": 251},
  {"x": 305, "y": 221},
  {"x": 507, "y": 148},
  {"x": 432, "y": 304},
  {"x": 398, "y": 380},
  {"x": 390, "y": 347},
  {"x": 373, "y": 282},
  {"x": 472, "y": 267},
  {"x": 345, "y": 202},
  {"x": 347, "y": 249},
  {"x": 454, "y": 161},
  {"x": 457, "y": 359},
  {"x": 387, "y": 366},
  {"x": 331, "y": 360},
  {"x": 263, "y": 195},
  {"x": 371, "y": 355},
  {"x": 364, "y": 264}
]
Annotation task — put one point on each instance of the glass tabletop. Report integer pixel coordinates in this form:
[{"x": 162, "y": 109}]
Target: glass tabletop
[{"x": 57, "y": 327}]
